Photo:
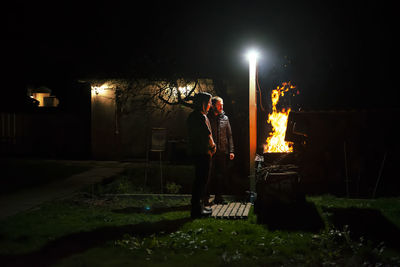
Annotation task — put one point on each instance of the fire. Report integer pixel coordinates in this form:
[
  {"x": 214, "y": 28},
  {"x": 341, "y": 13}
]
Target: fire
[{"x": 278, "y": 119}]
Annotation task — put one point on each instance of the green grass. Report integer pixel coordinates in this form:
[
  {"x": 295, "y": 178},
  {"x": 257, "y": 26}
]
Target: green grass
[
  {"x": 389, "y": 207},
  {"x": 210, "y": 242},
  {"x": 177, "y": 179},
  {"x": 90, "y": 230},
  {"x": 32, "y": 230}
]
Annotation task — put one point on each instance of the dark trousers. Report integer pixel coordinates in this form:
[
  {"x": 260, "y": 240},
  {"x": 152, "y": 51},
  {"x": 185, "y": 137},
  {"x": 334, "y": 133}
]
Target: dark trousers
[
  {"x": 218, "y": 183},
  {"x": 202, "y": 165}
]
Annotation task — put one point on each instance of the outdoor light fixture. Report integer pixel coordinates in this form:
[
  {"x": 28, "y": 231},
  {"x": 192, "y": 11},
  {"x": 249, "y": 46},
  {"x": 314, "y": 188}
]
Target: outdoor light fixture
[
  {"x": 252, "y": 56},
  {"x": 101, "y": 89}
]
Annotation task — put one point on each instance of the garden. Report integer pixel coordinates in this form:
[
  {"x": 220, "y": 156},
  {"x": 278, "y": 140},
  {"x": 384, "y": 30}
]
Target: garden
[{"x": 121, "y": 222}]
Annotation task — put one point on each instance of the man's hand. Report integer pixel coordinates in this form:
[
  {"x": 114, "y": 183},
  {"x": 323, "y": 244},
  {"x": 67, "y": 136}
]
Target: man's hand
[
  {"x": 231, "y": 156},
  {"x": 212, "y": 148},
  {"x": 212, "y": 151}
]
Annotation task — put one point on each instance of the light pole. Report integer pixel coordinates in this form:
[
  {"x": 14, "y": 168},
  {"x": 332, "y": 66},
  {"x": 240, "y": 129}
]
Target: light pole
[{"x": 252, "y": 57}]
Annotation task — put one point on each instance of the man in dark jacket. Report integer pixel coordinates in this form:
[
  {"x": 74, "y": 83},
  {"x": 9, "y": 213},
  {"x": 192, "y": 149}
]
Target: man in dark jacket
[
  {"x": 202, "y": 147},
  {"x": 222, "y": 134}
]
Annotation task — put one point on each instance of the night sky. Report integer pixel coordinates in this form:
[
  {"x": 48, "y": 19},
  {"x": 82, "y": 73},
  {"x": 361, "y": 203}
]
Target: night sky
[{"x": 340, "y": 54}]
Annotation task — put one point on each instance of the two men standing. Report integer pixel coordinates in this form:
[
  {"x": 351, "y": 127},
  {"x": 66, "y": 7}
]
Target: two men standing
[{"x": 211, "y": 144}]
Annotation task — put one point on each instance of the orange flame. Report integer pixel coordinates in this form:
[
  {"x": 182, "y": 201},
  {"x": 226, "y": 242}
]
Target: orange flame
[{"x": 278, "y": 119}]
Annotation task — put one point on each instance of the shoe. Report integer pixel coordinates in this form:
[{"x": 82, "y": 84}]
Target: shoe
[
  {"x": 206, "y": 212},
  {"x": 207, "y": 208}
]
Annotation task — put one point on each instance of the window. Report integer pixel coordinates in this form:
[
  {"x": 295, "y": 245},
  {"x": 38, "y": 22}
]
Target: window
[{"x": 44, "y": 96}]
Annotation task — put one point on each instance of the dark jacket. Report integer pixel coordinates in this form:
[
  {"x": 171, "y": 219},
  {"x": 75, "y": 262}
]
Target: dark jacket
[
  {"x": 199, "y": 133},
  {"x": 222, "y": 133}
]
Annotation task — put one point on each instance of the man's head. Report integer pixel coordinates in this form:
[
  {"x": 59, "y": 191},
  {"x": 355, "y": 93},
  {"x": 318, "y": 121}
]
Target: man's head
[
  {"x": 218, "y": 104},
  {"x": 202, "y": 102}
]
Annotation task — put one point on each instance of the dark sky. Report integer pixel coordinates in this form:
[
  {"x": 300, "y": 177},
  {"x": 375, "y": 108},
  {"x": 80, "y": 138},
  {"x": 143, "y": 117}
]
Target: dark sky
[{"x": 337, "y": 52}]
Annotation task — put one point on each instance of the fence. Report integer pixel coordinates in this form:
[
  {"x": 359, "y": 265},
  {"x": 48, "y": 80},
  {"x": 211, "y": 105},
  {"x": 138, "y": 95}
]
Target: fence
[{"x": 45, "y": 133}]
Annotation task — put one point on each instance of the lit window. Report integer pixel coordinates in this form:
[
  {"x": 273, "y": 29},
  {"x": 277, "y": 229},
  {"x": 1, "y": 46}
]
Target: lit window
[{"x": 44, "y": 96}]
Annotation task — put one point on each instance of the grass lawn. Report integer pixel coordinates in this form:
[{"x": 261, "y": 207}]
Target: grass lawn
[
  {"x": 97, "y": 231},
  {"x": 177, "y": 179},
  {"x": 96, "y": 228}
]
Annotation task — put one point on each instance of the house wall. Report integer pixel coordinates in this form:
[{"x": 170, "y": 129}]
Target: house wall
[
  {"x": 135, "y": 131},
  {"x": 126, "y": 135},
  {"x": 104, "y": 132}
]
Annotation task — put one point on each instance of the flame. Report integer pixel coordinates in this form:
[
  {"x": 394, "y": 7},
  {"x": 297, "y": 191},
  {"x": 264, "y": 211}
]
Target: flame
[{"x": 278, "y": 119}]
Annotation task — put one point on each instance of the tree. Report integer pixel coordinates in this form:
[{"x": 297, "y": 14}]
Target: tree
[{"x": 146, "y": 95}]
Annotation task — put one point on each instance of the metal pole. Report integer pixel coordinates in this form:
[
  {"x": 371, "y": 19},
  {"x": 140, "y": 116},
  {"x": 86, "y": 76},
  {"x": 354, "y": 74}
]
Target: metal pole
[
  {"x": 379, "y": 175},
  {"x": 252, "y": 119},
  {"x": 161, "y": 178},
  {"x": 346, "y": 169}
]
